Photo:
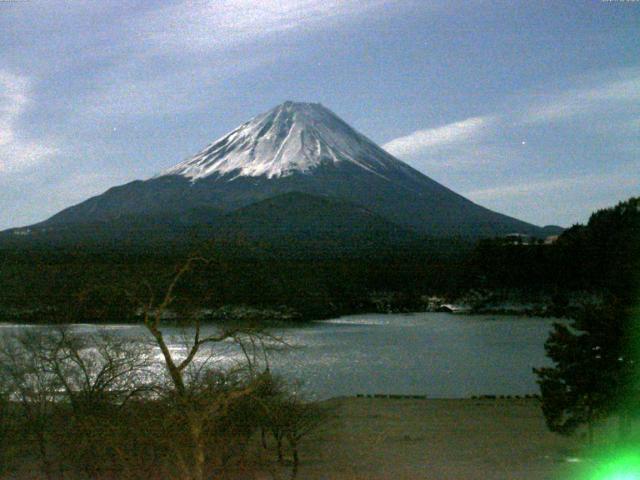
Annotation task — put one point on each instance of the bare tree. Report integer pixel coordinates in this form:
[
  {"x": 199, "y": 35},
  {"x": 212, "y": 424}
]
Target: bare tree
[
  {"x": 98, "y": 374},
  {"x": 70, "y": 388},
  {"x": 96, "y": 405},
  {"x": 98, "y": 370},
  {"x": 198, "y": 396},
  {"x": 7, "y": 426},
  {"x": 32, "y": 389},
  {"x": 302, "y": 418}
]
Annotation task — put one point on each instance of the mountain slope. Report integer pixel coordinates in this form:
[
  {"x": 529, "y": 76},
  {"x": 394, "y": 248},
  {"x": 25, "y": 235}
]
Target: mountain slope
[
  {"x": 307, "y": 217},
  {"x": 297, "y": 147}
]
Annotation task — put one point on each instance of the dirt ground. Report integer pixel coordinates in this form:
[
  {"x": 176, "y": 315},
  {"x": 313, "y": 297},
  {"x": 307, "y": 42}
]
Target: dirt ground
[{"x": 374, "y": 438}]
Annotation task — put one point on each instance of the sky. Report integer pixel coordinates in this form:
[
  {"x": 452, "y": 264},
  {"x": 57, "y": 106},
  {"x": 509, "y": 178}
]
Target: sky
[{"x": 529, "y": 108}]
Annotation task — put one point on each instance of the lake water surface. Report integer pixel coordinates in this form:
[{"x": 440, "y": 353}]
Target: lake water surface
[{"x": 435, "y": 354}]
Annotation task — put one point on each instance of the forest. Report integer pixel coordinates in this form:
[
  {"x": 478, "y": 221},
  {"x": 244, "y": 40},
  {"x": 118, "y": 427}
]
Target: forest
[{"x": 302, "y": 279}]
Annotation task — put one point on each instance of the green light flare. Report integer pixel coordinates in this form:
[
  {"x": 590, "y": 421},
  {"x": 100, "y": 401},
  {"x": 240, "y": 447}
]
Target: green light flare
[{"x": 624, "y": 465}]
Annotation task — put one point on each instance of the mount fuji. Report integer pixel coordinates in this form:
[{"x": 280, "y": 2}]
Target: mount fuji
[{"x": 296, "y": 169}]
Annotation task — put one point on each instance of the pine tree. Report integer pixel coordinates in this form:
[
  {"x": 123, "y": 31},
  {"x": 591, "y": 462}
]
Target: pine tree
[{"x": 595, "y": 372}]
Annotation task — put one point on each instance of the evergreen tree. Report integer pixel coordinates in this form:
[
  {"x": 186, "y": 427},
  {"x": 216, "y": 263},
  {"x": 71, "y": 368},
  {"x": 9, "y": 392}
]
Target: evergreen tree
[{"x": 596, "y": 369}]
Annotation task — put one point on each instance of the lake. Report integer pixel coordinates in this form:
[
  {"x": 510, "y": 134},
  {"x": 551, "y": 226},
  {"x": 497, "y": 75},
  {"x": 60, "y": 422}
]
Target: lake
[{"x": 439, "y": 355}]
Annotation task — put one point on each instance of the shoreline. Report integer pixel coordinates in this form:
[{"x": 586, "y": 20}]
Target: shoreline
[{"x": 291, "y": 323}]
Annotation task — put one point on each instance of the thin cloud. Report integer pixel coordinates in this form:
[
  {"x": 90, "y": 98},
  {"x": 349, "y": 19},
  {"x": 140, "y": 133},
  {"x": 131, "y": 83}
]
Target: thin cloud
[
  {"x": 550, "y": 185},
  {"x": 17, "y": 152},
  {"x": 203, "y": 43},
  {"x": 624, "y": 90},
  {"x": 207, "y": 26},
  {"x": 424, "y": 141},
  {"x": 13, "y": 101},
  {"x": 473, "y": 131},
  {"x": 180, "y": 91},
  {"x": 577, "y": 102}
]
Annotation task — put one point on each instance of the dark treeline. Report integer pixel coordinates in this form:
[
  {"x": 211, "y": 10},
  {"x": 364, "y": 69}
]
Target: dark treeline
[
  {"x": 317, "y": 278},
  {"x": 602, "y": 256},
  {"x": 595, "y": 372},
  {"x": 316, "y": 281}
]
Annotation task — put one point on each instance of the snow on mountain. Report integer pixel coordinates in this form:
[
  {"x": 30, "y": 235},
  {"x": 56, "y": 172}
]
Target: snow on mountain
[
  {"x": 295, "y": 148},
  {"x": 292, "y": 137}
]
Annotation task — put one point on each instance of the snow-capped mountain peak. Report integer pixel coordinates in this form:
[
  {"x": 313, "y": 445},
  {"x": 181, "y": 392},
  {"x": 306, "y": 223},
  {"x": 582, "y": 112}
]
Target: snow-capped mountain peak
[
  {"x": 288, "y": 156},
  {"x": 292, "y": 137}
]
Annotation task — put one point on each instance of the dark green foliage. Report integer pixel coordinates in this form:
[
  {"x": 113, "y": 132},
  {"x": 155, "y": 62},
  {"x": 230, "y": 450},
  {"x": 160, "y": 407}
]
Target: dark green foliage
[
  {"x": 596, "y": 358},
  {"x": 93, "y": 284},
  {"x": 606, "y": 252},
  {"x": 339, "y": 271},
  {"x": 602, "y": 256},
  {"x": 594, "y": 372}
]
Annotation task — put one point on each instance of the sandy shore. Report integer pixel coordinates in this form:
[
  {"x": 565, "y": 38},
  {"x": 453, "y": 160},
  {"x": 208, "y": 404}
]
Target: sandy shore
[{"x": 399, "y": 439}]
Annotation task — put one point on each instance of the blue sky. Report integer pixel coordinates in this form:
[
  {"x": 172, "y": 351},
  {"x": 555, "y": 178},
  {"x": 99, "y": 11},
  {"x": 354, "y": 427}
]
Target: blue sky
[{"x": 529, "y": 108}]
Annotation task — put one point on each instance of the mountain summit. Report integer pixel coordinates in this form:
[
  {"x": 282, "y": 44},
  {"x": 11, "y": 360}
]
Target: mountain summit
[
  {"x": 292, "y": 137},
  {"x": 295, "y": 148}
]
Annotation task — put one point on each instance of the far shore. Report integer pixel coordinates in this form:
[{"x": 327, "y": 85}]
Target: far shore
[{"x": 44, "y": 320}]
